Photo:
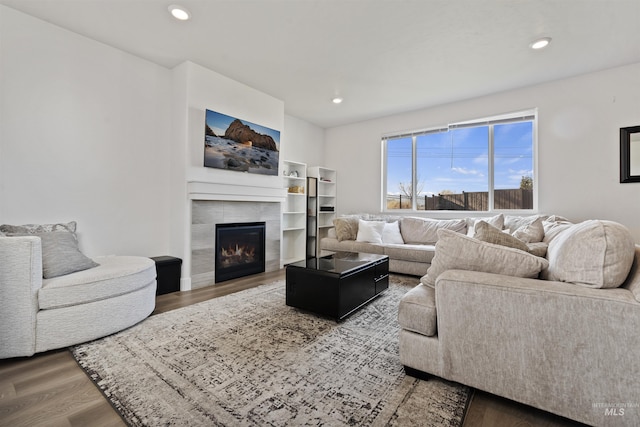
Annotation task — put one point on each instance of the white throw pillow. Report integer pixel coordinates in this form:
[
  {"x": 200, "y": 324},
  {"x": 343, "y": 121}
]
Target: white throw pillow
[
  {"x": 391, "y": 233},
  {"x": 594, "y": 253},
  {"x": 456, "y": 251},
  {"x": 370, "y": 231}
]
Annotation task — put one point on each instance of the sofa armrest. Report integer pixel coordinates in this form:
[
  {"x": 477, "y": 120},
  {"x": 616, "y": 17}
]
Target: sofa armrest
[
  {"x": 533, "y": 340},
  {"x": 20, "y": 280}
]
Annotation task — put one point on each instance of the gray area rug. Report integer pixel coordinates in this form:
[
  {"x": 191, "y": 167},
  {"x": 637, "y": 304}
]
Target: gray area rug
[{"x": 247, "y": 359}]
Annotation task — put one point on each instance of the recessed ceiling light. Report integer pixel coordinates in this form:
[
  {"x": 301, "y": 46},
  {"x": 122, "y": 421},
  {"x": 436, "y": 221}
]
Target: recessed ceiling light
[
  {"x": 336, "y": 100},
  {"x": 540, "y": 43},
  {"x": 179, "y": 12}
]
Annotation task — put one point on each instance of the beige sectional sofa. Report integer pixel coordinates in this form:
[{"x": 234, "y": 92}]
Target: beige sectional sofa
[
  {"x": 559, "y": 332},
  {"x": 412, "y": 247}
]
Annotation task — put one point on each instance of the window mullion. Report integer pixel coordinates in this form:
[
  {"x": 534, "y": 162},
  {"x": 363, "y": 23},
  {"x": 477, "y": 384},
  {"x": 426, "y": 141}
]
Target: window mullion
[
  {"x": 414, "y": 174},
  {"x": 491, "y": 169}
]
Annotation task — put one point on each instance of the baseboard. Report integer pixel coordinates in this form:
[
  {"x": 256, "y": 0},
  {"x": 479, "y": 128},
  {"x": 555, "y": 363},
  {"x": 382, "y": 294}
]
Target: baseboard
[{"x": 185, "y": 283}]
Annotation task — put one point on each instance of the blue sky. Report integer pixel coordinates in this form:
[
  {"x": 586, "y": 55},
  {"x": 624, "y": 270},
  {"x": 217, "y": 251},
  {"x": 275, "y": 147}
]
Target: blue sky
[
  {"x": 458, "y": 160},
  {"x": 219, "y": 123}
]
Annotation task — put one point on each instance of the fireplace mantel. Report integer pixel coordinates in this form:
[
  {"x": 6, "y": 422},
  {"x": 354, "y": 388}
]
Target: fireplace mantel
[{"x": 200, "y": 190}]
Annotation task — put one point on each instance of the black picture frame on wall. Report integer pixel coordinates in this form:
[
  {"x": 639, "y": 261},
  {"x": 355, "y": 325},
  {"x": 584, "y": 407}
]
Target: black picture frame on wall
[{"x": 630, "y": 154}]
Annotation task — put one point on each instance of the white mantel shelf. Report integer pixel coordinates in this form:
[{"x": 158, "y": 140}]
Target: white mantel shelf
[{"x": 199, "y": 190}]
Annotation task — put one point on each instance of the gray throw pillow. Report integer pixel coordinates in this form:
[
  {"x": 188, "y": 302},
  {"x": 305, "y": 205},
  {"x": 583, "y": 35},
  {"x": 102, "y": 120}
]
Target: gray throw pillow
[
  {"x": 456, "y": 251},
  {"x": 60, "y": 254},
  {"x": 490, "y": 234},
  {"x": 17, "y": 230},
  {"x": 346, "y": 228}
]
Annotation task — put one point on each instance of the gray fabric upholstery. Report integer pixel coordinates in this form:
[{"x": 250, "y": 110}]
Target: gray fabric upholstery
[
  {"x": 126, "y": 297},
  {"x": 593, "y": 253},
  {"x": 633, "y": 281},
  {"x": 566, "y": 349},
  {"x": 114, "y": 276},
  {"x": 424, "y": 231},
  {"x": 490, "y": 234},
  {"x": 458, "y": 251},
  {"x": 417, "y": 311},
  {"x": 20, "y": 279},
  {"x": 416, "y": 253},
  {"x": 60, "y": 254},
  {"x": 405, "y": 259},
  {"x": 85, "y": 322}
]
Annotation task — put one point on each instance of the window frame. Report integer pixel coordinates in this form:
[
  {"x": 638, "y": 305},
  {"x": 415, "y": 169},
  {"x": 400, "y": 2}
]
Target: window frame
[{"x": 515, "y": 117}]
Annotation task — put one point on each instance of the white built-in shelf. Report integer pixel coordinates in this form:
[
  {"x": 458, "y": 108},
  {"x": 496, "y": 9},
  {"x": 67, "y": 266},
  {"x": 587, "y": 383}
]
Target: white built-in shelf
[
  {"x": 321, "y": 221},
  {"x": 294, "y": 211}
]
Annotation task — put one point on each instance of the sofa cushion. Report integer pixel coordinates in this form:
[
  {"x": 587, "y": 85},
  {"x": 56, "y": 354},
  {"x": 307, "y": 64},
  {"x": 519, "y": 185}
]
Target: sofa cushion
[
  {"x": 514, "y": 222},
  {"x": 415, "y": 253},
  {"x": 346, "y": 228},
  {"x": 116, "y": 275},
  {"x": 461, "y": 252},
  {"x": 370, "y": 231},
  {"x": 490, "y": 234},
  {"x": 417, "y": 311},
  {"x": 60, "y": 254},
  {"x": 552, "y": 229},
  {"x": 538, "y": 248},
  {"x": 425, "y": 230},
  {"x": 593, "y": 253},
  {"x": 497, "y": 221}
]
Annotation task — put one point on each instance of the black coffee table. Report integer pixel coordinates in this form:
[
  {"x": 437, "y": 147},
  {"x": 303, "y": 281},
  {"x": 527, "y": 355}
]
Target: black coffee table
[{"x": 336, "y": 285}]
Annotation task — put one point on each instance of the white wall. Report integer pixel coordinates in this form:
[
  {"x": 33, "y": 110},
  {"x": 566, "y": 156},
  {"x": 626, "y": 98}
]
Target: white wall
[
  {"x": 303, "y": 142},
  {"x": 578, "y": 145},
  {"x": 93, "y": 134},
  {"x": 85, "y": 134}
]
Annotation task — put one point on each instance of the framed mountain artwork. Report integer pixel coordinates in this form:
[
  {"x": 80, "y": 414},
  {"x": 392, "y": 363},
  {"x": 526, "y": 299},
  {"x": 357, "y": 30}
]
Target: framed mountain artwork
[{"x": 238, "y": 145}]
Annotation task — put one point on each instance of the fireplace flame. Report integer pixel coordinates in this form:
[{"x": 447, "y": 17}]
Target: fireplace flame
[{"x": 238, "y": 254}]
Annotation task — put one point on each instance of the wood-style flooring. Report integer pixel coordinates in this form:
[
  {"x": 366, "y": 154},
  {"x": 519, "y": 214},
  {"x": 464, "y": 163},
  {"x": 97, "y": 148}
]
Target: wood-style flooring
[{"x": 50, "y": 389}]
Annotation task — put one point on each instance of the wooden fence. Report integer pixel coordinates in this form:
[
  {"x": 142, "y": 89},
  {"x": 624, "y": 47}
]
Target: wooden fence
[{"x": 516, "y": 198}]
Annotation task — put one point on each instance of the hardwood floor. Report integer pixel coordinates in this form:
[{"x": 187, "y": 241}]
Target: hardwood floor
[{"x": 50, "y": 389}]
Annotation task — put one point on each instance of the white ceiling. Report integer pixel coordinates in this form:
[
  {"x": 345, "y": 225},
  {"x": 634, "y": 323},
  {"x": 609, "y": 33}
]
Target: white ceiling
[{"x": 382, "y": 56}]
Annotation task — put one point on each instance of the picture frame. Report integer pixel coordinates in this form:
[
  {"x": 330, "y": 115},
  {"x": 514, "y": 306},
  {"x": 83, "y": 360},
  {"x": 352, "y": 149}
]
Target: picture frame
[
  {"x": 630, "y": 154},
  {"x": 238, "y": 145}
]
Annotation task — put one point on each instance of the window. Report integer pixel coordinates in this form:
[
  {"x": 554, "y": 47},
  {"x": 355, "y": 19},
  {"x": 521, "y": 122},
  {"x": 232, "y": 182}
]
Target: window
[{"x": 482, "y": 165}]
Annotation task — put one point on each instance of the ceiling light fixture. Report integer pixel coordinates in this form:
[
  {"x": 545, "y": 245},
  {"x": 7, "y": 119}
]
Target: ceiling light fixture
[
  {"x": 540, "y": 43},
  {"x": 336, "y": 100},
  {"x": 179, "y": 12}
]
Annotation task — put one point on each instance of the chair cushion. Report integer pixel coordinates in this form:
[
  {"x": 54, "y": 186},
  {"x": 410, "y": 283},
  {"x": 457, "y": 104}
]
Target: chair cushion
[
  {"x": 417, "y": 311},
  {"x": 116, "y": 275}
]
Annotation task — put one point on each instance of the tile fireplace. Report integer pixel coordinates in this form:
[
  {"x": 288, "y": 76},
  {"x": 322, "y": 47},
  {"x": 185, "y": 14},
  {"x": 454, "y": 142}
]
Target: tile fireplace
[{"x": 208, "y": 215}]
